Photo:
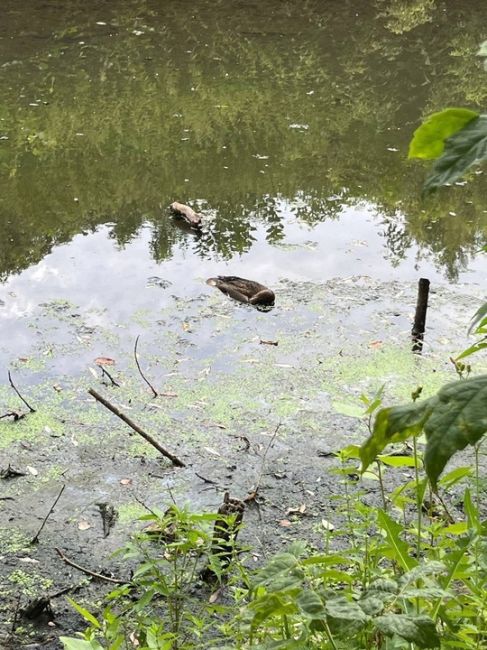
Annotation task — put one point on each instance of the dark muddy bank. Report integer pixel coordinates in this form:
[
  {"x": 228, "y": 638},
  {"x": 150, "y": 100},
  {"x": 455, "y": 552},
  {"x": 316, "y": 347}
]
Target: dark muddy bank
[{"x": 222, "y": 395}]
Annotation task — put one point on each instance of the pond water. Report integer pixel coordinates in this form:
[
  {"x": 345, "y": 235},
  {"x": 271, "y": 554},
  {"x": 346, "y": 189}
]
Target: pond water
[{"x": 287, "y": 124}]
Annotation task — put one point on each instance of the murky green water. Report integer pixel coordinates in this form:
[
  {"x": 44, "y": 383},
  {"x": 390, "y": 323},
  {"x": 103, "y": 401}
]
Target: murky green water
[{"x": 286, "y": 123}]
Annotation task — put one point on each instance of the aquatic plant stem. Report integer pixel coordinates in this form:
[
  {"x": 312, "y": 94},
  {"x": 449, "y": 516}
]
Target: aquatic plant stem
[
  {"x": 418, "y": 509},
  {"x": 154, "y": 392},
  {"x": 32, "y": 410}
]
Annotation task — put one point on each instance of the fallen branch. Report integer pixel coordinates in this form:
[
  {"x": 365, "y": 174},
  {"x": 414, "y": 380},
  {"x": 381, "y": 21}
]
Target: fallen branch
[
  {"x": 154, "y": 392},
  {"x": 32, "y": 410},
  {"x": 88, "y": 572},
  {"x": 174, "y": 459},
  {"x": 35, "y": 539}
]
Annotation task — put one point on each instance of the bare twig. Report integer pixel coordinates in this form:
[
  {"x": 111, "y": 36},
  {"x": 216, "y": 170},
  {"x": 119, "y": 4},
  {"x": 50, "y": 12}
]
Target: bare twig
[
  {"x": 252, "y": 495},
  {"x": 174, "y": 459},
  {"x": 105, "y": 372},
  {"x": 154, "y": 392},
  {"x": 14, "y": 415},
  {"x": 206, "y": 480},
  {"x": 35, "y": 539},
  {"x": 32, "y": 410},
  {"x": 88, "y": 572}
]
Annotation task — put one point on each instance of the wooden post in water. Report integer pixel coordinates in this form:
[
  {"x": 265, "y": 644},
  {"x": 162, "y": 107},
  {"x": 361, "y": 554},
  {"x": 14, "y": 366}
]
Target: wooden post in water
[{"x": 420, "y": 315}]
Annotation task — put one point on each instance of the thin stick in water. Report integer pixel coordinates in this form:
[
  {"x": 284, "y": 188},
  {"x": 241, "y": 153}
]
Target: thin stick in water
[
  {"x": 174, "y": 459},
  {"x": 154, "y": 392},
  {"x": 32, "y": 410},
  {"x": 88, "y": 572},
  {"x": 35, "y": 539}
]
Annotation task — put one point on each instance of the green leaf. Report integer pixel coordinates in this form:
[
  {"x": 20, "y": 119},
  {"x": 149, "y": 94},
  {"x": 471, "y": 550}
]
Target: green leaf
[
  {"x": 415, "y": 629},
  {"x": 282, "y": 572},
  {"x": 85, "y": 614},
  {"x": 452, "y": 419},
  {"x": 372, "y": 604},
  {"x": 478, "y": 317},
  {"x": 462, "y": 150},
  {"x": 394, "y": 424},
  {"x": 341, "y": 609},
  {"x": 448, "y": 480},
  {"x": 471, "y": 512},
  {"x": 400, "y": 548},
  {"x": 429, "y": 139},
  {"x": 398, "y": 461},
  {"x": 384, "y": 586},
  {"x": 459, "y": 418},
  {"x": 476, "y": 347},
  {"x": 311, "y": 604},
  {"x": 79, "y": 644}
]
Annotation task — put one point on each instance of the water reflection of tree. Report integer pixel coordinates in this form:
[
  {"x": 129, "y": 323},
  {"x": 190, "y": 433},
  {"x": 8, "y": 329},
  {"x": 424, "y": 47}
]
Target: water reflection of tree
[{"x": 135, "y": 107}]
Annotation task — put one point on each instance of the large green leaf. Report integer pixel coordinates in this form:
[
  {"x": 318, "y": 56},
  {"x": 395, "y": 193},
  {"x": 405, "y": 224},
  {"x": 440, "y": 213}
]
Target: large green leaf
[
  {"x": 429, "y": 139},
  {"x": 281, "y": 573},
  {"x": 462, "y": 150},
  {"x": 311, "y": 604},
  {"x": 459, "y": 418},
  {"x": 415, "y": 629},
  {"x": 452, "y": 419},
  {"x": 342, "y": 609},
  {"x": 394, "y": 424}
]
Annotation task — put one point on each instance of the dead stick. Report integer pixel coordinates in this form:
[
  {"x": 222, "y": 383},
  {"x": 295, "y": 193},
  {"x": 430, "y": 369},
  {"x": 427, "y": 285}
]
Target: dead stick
[
  {"x": 420, "y": 315},
  {"x": 155, "y": 393},
  {"x": 15, "y": 389},
  {"x": 253, "y": 494},
  {"x": 100, "y": 576},
  {"x": 105, "y": 372},
  {"x": 35, "y": 539},
  {"x": 174, "y": 459}
]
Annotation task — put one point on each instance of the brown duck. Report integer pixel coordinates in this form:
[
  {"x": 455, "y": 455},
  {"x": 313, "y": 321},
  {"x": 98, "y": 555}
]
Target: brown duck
[{"x": 243, "y": 290}]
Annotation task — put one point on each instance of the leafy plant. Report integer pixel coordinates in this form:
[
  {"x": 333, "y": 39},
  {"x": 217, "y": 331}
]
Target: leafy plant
[
  {"x": 455, "y": 137},
  {"x": 160, "y": 608}
]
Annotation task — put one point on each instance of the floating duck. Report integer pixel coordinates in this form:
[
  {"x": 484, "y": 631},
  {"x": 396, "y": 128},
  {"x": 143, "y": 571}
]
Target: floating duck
[
  {"x": 192, "y": 218},
  {"x": 246, "y": 291}
]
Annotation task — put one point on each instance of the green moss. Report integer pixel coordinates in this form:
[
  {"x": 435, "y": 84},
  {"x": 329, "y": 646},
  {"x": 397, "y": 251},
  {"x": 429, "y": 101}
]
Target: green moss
[
  {"x": 29, "y": 584},
  {"x": 13, "y": 541},
  {"x": 130, "y": 512}
]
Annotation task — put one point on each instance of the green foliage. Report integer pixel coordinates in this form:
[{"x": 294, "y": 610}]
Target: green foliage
[
  {"x": 463, "y": 149},
  {"x": 158, "y": 607},
  {"x": 451, "y": 420},
  {"x": 429, "y": 139}
]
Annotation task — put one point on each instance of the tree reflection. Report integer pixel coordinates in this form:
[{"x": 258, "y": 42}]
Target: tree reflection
[{"x": 113, "y": 112}]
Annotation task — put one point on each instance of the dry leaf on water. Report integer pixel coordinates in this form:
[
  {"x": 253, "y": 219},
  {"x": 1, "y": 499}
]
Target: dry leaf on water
[{"x": 104, "y": 361}]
